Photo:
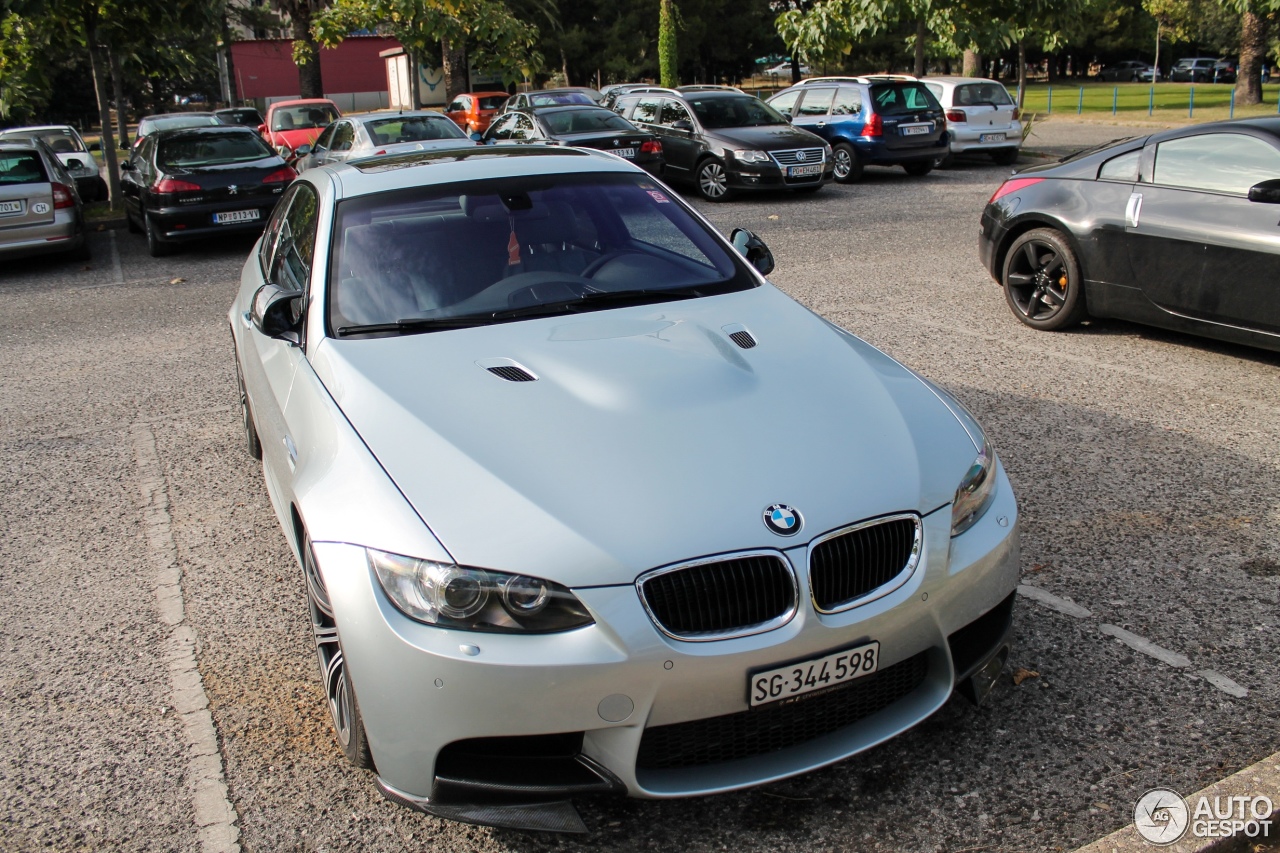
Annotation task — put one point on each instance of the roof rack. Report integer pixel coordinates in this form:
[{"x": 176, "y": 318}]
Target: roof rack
[
  {"x": 864, "y": 78},
  {"x": 649, "y": 90},
  {"x": 707, "y": 87}
]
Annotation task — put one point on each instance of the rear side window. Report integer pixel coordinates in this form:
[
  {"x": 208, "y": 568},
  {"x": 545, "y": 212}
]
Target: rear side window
[
  {"x": 973, "y": 94},
  {"x": 1123, "y": 168},
  {"x": 1218, "y": 162},
  {"x": 785, "y": 102},
  {"x": 646, "y": 110},
  {"x": 897, "y": 98},
  {"x": 848, "y": 102},
  {"x": 817, "y": 102},
  {"x": 21, "y": 167}
]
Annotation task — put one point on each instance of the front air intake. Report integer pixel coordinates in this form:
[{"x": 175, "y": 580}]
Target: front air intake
[
  {"x": 743, "y": 339},
  {"x": 512, "y": 373}
]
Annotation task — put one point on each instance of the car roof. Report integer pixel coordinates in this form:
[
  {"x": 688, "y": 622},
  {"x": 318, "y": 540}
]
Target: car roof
[
  {"x": 34, "y": 127},
  {"x": 394, "y": 114},
  {"x": 300, "y": 102},
  {"x": 1266, "y": 124},
  {"x": 193, "y": 114},
  {"x": 958, "y": 81},
  {"x": 370, "y": 175},
  {"x": 203, "y": 130},
  {"x": 494, "y": 93},
  {"x": 19, "y": 144}
]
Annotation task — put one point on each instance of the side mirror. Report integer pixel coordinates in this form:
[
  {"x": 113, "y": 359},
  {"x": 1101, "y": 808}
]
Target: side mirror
[
  {"x": 302, "y": 150},
  {"x": 1267, "y": 192},
  {"x": 277, "y": 312},
  {"x": 682, "y": 124},
  {"x": 753, "y": 249},
  {"x": 95, "y": 146},
  {"x": 477, "y": 137},
  {"x": 262, "y": 128}
]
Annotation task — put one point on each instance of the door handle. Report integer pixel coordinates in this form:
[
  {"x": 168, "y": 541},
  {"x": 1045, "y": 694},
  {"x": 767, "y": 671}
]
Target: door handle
[
  {"x": 1133, "y": 211},
  {"x": 821, "y": 124}
]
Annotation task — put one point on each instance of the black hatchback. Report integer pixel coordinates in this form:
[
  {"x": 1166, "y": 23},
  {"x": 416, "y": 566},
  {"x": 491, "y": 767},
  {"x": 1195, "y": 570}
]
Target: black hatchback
[
  {"x": 581, "y": 127},
  {"x": 725, "y": 141},
  {"x": 198, "y": 182}
]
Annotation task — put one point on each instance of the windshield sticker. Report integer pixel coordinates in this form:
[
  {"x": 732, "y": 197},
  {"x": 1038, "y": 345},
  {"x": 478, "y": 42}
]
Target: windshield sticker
[{"x": 659, "y": 197}]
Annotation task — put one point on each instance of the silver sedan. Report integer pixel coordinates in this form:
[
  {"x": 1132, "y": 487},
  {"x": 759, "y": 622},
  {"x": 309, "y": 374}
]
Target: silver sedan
[
  {"x": 583, "y": 504},
  {"x": 382, "y": 132}
]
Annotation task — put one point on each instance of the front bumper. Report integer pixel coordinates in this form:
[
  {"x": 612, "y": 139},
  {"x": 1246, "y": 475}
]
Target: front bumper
[
  {"x": 620, "y": 693},
  {"x": 769, "y": 176},
  {"x": 194, "y": 222}
]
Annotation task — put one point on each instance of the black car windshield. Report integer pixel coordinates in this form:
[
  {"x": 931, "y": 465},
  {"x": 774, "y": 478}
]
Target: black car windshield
[
  {"x": 151, "y": 125},
  {"x": 187, "y": 151},
  {"x": 303, "y": 117},
  {"x": 534, "y": 246},
  {"x": 550, "y": 99},
  {"x": 386, "y": 131},
  {"x": 742, "y": 111},
  {"x": 586, "y": 121}
]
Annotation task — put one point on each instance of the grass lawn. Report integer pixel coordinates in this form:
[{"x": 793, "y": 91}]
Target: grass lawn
[{"x": 1170, "y": 101}]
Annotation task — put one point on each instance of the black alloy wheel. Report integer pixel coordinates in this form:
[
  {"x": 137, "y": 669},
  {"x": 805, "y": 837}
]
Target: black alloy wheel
[
  {"x": 340, "y": 696},
  {"x": 713, "y": 180},
  {"x": 156, "y": 244},
  {"x": 1042, "y": 281},
  {"x": 848, "y": 168}
]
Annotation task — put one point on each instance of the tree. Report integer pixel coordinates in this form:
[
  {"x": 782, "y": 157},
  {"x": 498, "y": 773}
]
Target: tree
[
  {"x": 306, "y": 47},
  {"x": 1255, "y": 18},
  {"x": 668, "y": 57}
]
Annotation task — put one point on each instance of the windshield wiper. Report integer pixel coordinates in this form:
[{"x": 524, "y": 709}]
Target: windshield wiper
[
  {"x": 413, "y": 324},
  {"x": 600, "y": 299}
]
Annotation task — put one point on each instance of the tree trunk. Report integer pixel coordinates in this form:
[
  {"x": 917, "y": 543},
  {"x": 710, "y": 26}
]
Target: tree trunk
[
  {"x": 310, "y": 83},
  {"x": 1253, "y": 50},
  {"x": 564, "y": 67},
  {"x": 117, "y": 90},
  {"x": 973, "y": 66},
  {"x": 795, "y": 70},
  {"x": 415, "y": 74},
  {"x": 104, "y": 114},
  {"x": 1022, "y": 73},
  {"x": 454, "y": 60},
  {"x": 922, "y": 35}
]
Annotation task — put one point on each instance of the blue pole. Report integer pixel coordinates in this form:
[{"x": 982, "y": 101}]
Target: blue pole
[
  {"x": 1151, "y": 100},
  {"x": 1191, "y": 103},
  {"x": 1049, "y": 109},
  {"x": 1232, "y": 114},
  {"x": 1080, "y": 102},
  {"x": 1115, "y": 97}
]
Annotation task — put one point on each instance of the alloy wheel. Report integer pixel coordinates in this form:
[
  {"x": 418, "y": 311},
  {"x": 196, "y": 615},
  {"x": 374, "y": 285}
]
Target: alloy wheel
[
  {"x": 712, "y": 181},
  {"x": 843, "y": 163},
  {"x": 1038, "y": 279},
  {"x": 333, "y": 666}
]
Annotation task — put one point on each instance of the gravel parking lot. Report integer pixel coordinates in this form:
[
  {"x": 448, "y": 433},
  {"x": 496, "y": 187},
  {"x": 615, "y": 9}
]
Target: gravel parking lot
[{"x": 1147, "y": 465}]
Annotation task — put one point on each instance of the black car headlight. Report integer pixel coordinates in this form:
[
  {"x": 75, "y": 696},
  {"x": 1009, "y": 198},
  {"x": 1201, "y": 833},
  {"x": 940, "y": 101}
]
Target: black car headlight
[
  {"x": 977, "y": 490},
  {"x": 469, "y": 599}
]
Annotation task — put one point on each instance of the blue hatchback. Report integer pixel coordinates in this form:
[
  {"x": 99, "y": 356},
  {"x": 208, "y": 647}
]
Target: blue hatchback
[{"x": 886, "y": 120}]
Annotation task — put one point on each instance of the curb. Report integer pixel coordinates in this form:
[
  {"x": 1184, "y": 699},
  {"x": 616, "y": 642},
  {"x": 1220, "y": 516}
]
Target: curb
[{"x": 1261, "y": 779}]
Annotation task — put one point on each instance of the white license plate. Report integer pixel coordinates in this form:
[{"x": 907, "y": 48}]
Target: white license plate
[
  {"x": 797, "y": 679},
  {"x": 915, "y": 129},
  {"x": 801, "y": 171},
  {"x": 235, "y": 216},
  {"x": 991, "y": 137},
  {"x": 10, "y": 207},
  {"x": 629, "y": 153}
]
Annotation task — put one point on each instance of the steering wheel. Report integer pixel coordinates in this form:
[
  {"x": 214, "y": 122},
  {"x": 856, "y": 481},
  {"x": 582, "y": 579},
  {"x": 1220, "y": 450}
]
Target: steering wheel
[{"x": 604, "y": 260}]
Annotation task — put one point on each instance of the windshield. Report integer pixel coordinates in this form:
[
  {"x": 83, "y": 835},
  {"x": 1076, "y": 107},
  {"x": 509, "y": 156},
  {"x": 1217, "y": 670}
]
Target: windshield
[
  {"x": 151, "y": 125},
  {"x": 492, "y": 102},
  {"x": 387, "y": 131},
  {"x": 742, "y": 111},
  {"x": 535, "y": 246},
  {"x": 303, "y": 117},
  {"x": 209, "y": 149},
  {"x": 550, "y": 99},
  {"x": 586, "y": 121},
  {"x": 61, "y": 140}
]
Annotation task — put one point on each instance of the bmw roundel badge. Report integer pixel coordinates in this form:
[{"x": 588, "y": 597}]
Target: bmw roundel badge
[{"x": 782, "y": 520}]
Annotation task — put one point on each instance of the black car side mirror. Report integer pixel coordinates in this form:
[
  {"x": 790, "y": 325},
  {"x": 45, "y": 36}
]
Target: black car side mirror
[
  {"x": 682, "y": 124},
  {"x": 95, "y": 146},
  {"x": 753, "y": 249},
  {"x": 277, "y": 312},
  {"x": 1267, "y": 192},
  {"x": 302, "y": 150}
]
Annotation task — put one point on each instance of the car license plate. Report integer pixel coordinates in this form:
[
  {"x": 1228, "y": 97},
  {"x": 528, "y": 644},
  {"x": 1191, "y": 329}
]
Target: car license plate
[
  {"x": 915, "y": 129},
  {"x": 629, "y": 153},
  {"x": 991, "y": 137},
  {"x": 10, "y": 207},
  {"x": 797, "y": 679},
  {"x": 235, "y": 216},
  {"x": 802, "y": 171}
]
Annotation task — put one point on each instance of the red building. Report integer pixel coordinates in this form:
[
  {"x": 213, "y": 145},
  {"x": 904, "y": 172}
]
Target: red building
[{"x": 355, "y": 77}]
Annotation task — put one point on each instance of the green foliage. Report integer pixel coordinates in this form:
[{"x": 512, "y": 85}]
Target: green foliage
[
  {"x": 23, "y": 87},
  {"x": 668, "y": 57}
]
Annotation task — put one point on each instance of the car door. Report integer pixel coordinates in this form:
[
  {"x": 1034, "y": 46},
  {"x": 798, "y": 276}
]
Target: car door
[
  {"x": 1198, "y": 246},
  {"x": 131, "y": 178},
  {"x": 812, "y": 112},
  {"x": 681, "y": 143}
]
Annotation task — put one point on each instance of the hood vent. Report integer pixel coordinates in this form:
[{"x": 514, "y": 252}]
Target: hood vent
[
  {"x": 505, "y": 368},
  {"x": 740, "y": 336}
]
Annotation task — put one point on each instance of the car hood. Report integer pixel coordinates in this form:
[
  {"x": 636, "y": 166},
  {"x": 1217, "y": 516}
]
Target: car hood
[
  {"x": 771, "y": 137},
  {"x": 648, "y": 437}
]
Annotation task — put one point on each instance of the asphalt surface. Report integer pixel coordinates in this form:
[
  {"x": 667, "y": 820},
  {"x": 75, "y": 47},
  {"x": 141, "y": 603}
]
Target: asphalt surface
[{"x": 1145, "y": 462}]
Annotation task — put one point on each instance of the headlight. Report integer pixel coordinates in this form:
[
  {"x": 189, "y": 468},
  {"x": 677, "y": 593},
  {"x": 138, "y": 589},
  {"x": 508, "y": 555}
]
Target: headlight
[
  {"x": 976, "y": 491},
  {"x": 475, "y": 599},
  {"x": 749, "y": 156}
]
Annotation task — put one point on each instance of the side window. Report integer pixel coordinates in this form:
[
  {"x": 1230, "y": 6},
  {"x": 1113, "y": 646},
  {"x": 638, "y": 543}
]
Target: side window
[
  {"x": 848, "y": 102},
  {"x": 524, "y": 128},
  {"x": 646, "y": 110},
  {"x": 344, "y": 135},
  {"x": 1218, "y": 162},
  {"x": 786, "y": 102},
  {"x": 672, "y": 112},
  {"x": 458, "y": 105},
  {"x": 817, "y": 102},
  {"x": 501, "y": 129},
  {"x": 325, "y": 140},
  {"x": 1123, "y": 168},
  {"x": 297, "y": 243},
  {"x": 271, "y": 234}
]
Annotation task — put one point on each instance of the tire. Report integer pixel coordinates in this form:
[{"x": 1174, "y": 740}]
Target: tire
[
  {"x": 848, "y": 168},
  {"x": 945, "y": 162},
  {"x": 340, "y": 695},
  {"x": 1005, "y": 156},
  {"x": 129, "y": 223},
  {"x": 712, "y": 181},
  {"x": 252, "y": 442},
  {"x": 918, "y": 168},
  {"x": 155, "y": 243},
  {"x": 1042, "y": 281}
]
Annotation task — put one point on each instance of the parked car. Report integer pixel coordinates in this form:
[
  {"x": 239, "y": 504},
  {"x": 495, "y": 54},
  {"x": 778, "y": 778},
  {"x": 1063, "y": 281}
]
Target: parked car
[
  {"x": 239, "y": 116},
  {"x": 1130, "y": 71},
  {"x": 546, "y": 98},
  {"x": 981, "y": 118},
  {"x": 474, "y": 111},
  {"x": 1176, "y": 229},
  {"x": 726, "y": 142},
  {"x": 189, "y": 184},
  {"x": 1224, "y": 71},
  {"x": 65, "y": 141},
  {"x": 40, "y": 207},
  {"x": 478, "y": 380},
  {"x": 293, "y": 123},
  {"x": 616, "y": 91},
  {"x": 875, "y": 120},
  {"x": 383, "y": 132},
  {"x": 783, "y": 69},
  {"x": 581, "y": 127},
  {"x": 148, "y": 125},
  {"x": 1196, "y": 69}
]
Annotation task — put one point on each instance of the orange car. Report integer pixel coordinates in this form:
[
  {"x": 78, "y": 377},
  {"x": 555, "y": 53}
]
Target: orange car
[{"x": 473, "y": 111}]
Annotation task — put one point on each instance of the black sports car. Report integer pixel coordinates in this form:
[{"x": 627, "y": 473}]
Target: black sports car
[{"x": 1180, "y": 229}]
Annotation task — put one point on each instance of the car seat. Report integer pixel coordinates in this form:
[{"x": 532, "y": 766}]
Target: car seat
[{"x": 286, "y": 121}]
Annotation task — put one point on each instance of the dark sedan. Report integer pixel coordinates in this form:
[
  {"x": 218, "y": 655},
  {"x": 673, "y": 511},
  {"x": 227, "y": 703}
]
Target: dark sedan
[
  {"x": 1177, "y": 230},
  {"x": 188, "y": 184},
  {"x": 725, "y": 141},
  {"x": 581, "y": 127}
]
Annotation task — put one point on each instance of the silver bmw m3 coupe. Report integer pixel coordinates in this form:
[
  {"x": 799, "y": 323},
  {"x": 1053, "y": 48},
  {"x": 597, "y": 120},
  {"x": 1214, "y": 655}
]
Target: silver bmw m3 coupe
[{"x": 583, "y": 504}]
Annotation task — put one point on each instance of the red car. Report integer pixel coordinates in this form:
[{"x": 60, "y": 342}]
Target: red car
[
  {"x": 293, "y": 123},
  {"x": 473, "y": 111}
]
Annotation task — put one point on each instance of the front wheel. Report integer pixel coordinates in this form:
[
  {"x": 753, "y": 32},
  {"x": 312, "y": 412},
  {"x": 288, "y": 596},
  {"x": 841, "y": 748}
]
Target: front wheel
[
  {"x": 919, "y": 168},
  {"x": 1042, "y": 281},
  {"x": 848, "y": 168},
  {"x": 713, "y": 181}
]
